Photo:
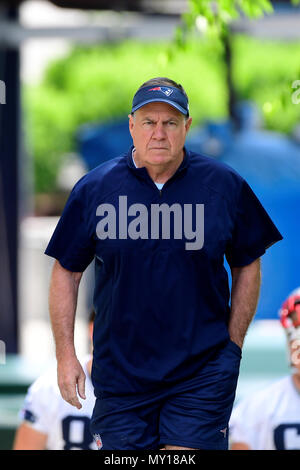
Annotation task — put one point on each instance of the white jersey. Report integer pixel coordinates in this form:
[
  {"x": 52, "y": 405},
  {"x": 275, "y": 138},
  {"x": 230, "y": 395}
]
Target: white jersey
[
  {"x": 46, "y": 411},
  {"x": 269, "y": 419}
]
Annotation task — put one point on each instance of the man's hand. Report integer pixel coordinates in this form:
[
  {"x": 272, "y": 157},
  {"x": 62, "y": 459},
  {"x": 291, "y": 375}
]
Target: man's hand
[{"x": 71, "y": 380}]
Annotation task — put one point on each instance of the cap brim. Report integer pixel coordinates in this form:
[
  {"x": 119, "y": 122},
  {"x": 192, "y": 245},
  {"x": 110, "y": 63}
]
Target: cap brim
[{"x": 159, "y": 100}]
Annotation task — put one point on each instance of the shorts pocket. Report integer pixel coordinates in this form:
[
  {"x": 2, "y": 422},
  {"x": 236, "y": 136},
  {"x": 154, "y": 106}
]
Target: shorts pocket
[
  {"x": 229, "y": 367},
  {"x": 235, "y": 347}
]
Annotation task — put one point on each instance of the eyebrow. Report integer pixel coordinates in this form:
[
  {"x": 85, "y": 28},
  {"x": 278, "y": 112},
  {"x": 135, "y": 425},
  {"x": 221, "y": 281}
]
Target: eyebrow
[{"x": 153, "y": 120}]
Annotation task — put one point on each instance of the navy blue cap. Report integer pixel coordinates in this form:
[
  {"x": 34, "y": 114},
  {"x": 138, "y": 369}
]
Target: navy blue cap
[{"x": 166, "y": 94}]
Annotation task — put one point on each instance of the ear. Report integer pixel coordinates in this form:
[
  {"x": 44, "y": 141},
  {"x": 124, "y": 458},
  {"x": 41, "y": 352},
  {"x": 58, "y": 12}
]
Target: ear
[
  {"x": 131, "y": 123},
  {"x": 188, "y": 124}
]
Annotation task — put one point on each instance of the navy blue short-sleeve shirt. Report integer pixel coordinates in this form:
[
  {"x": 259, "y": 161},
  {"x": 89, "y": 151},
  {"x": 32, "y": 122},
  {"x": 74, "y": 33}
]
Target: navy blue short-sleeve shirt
[{"x": 161, "y": 291}]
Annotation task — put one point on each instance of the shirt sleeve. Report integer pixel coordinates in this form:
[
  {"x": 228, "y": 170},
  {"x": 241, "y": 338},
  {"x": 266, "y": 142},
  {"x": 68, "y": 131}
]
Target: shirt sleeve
[
  {"x": 250, "y": 420},
  {"x": 253, "y": 230},
  {"x": 71, "y": 243},
  {"x": 36, "y": 409},
  {"x": 240, "y": 428}
]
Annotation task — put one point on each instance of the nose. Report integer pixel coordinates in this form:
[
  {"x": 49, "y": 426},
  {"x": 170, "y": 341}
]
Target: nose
[{"x": 159, "y": 132}]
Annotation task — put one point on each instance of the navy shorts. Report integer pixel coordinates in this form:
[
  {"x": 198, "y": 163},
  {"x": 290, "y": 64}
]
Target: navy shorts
[{"x": 194, "y": 413}]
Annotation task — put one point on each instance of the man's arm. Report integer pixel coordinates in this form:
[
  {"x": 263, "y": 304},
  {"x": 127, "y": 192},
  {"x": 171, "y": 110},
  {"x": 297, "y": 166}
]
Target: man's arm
[
  {"x": 27, "y": 438},
  {"x": 63, "y": 296},
  {"x": 244, "y": 298},
  {"x": 240, "y": 446}
]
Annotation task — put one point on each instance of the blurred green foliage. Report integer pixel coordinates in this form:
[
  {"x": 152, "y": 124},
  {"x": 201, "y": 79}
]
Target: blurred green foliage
[
  {"x": 264, "y": 72},
  {"x": 94, "y": 84},
  {"x": 214, "y": 17}
]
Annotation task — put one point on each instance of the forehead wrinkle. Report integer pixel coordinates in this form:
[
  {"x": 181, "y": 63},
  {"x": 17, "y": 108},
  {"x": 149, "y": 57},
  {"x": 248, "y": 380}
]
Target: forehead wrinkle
[
  {"x": 165, "y": 116},
  {"x": 159, "y": 108}
]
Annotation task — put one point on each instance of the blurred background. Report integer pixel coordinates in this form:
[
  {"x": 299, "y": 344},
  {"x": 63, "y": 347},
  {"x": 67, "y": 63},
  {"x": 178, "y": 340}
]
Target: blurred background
[{"x": 68, "y": 72}]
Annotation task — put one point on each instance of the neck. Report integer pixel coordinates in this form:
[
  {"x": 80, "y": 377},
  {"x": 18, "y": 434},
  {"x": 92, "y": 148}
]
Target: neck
[{"x": 159, "y": 173}]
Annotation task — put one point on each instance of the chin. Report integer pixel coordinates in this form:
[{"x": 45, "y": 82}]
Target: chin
[{"x": 159, "y": 158}]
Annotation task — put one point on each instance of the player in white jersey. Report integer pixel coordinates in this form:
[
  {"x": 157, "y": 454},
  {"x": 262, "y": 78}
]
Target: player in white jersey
[
  {"x": 49, "y": 422},
  {"x": 270, "y": 418}
]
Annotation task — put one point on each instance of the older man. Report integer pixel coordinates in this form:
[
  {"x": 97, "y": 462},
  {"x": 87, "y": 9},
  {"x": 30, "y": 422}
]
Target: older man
[{"x": 158, "y": 221}]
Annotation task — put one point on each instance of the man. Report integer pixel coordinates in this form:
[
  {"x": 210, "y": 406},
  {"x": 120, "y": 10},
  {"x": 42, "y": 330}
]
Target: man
[
  {"x": 270, "y": 419},
  {"x": 158, "y": 220},
  {"x": 49, "y": 422}
]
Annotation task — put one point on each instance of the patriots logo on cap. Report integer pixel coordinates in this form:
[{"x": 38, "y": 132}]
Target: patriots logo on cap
[{"x": 165, "y": 90}]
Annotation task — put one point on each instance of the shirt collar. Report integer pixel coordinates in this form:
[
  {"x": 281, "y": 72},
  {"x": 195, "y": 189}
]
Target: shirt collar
[{"x": 183, "y": 166}]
